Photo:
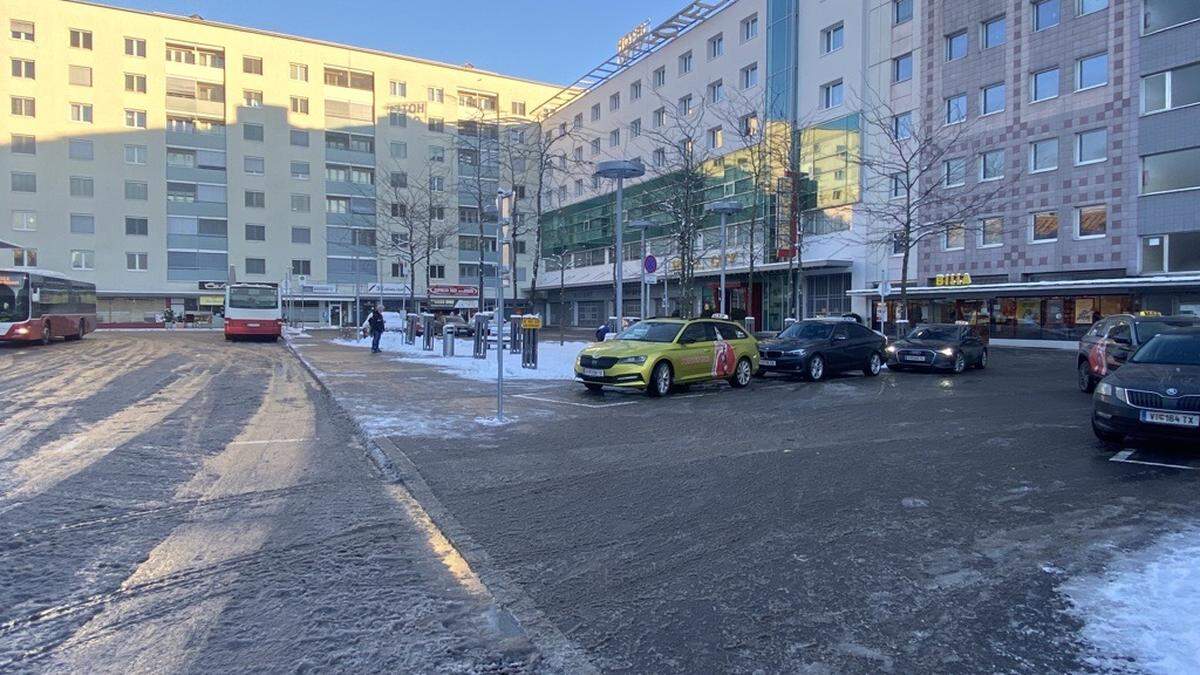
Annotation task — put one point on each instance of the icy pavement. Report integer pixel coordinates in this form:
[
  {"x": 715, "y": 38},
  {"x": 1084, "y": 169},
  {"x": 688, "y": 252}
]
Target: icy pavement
[
  {"x": 172, "y": 502},
  {"x": 1144, "y": 612},
  {"x": 555, "y": 361}
]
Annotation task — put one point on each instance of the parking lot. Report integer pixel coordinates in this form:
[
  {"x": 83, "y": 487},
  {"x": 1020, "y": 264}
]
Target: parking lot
[{"x": 908, "y": 522}]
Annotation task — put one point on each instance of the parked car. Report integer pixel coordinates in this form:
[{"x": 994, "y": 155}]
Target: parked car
[
  {"x": 461, "y": 327},
  {"x": 939, "y": 346},
  {"x": 657, "y": 354},
  {"x": 393, "y": 322},
  {"x": 1113, "y": 340},
  {"x": 815, "y": 348},
  {"x": 1156, "y": 392}
]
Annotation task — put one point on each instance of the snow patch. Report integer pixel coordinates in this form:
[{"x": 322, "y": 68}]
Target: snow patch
[
  {"x": 555, "y": 361},
  {"x": 493, "y": 422},
  {"x": 1145, "y": 608}
]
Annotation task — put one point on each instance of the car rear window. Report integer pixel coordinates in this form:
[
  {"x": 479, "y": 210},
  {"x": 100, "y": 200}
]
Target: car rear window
[
  {"x": 729, "y": 331},
  {"x": 1148, "y": 329}
]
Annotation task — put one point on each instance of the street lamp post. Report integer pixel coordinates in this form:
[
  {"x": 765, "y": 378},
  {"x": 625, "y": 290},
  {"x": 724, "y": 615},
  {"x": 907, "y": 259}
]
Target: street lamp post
[
  {"x": 725, "y": 208},
  {"x": 643, "y": 304},
  {"x": 619, "y": 170}
]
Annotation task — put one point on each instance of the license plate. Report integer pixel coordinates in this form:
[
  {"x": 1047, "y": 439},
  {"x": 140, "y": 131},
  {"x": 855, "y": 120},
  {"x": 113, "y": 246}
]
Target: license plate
[
  {"x": 918, "y": 359},
  {"x": 252, "y": 325},
  {"x": 1174, "y": 419},
  {"x": 593, "y": 372},
  {"x": 766, "y": 362}
]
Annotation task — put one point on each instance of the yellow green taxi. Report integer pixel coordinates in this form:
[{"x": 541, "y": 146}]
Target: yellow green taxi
[{"x": 657, "y": 354}]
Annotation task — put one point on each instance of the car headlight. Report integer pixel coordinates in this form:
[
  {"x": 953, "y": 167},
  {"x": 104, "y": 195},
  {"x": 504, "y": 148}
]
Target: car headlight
[
  {"x": 946, "y": 351},
  {"x": 798, "y": 352},
  {"x": 635, "y": 360},
  {"x": 891, "y": 349},
  {"x": 1106, "y": 389}
]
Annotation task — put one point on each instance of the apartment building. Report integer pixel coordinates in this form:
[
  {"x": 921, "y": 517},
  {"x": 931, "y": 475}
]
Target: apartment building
[
  {"x": 156, "y": 155},
  {"x": 1070, "y": 105}
]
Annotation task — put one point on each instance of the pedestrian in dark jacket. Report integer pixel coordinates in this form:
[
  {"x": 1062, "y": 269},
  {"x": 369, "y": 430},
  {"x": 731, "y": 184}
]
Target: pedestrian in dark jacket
[{"x": 375, "y": 324}]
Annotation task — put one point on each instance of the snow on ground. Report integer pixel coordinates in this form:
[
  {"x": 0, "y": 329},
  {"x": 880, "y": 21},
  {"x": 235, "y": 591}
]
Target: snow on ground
[
  {"x": 1145, "y": 608},
  {"x": 555, "y": 361}
]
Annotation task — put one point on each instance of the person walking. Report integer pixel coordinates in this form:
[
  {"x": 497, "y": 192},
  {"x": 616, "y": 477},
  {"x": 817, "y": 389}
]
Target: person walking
[{"x": 375, "y": 325}]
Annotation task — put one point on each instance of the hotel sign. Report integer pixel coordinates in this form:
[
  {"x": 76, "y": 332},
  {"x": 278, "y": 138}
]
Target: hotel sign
[
  {"x": 416, "y": 108},
  {"x": 630, "y": 39},
  {"x": 953, "y": 279}
]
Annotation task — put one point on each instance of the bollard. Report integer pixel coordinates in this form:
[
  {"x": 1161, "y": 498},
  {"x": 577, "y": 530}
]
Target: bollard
[
  {"x": 427, "y": 331},
  {"x": 482, "y": 322},
  {"x": 748, "y": 323},
  {"x": 448, "y": 340},
  {"x": 410, "y": 328},
  {"x": 529, "y": 341},
  {"x": 514, "y": 334}
]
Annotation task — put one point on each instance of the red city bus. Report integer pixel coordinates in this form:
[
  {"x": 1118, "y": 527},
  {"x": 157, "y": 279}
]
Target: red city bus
[
  {"x": 252, "y": 310},
  {"x": 37, "y": 305}
]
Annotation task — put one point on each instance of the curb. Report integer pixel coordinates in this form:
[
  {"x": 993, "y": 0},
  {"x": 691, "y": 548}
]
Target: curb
[{"x": 558, "y": 653}]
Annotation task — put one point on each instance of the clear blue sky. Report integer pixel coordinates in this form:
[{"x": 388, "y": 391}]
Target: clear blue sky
[{"x": 551, "y": 40}]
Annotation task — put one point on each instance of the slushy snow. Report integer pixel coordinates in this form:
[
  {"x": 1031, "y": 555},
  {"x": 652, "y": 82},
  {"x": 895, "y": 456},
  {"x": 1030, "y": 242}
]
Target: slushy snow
[
  {"x": 1143, "y": 613},
  {"x": 555, "y": 361}
]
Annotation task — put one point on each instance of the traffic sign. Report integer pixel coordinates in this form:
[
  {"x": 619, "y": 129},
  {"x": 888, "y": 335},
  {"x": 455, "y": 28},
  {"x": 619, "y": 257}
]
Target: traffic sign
[
  {"x": 885, "y": 289},
  {"x": 651, "y": 279},
  {"x": 650, "y": 264}
]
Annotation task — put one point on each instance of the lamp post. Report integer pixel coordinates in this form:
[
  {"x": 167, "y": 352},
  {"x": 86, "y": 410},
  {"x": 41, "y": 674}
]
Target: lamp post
[
  {"x": 725, "y": 208},
  {"x": 619, "y": 170},
  {"x": 643, "y": 305}
]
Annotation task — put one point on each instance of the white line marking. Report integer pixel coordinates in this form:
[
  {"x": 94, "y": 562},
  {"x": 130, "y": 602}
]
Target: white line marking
[
  {"x": 272, "y": 440},
  {"x": 1123, "y": 456},
  {"x": 574, "y": 403}
]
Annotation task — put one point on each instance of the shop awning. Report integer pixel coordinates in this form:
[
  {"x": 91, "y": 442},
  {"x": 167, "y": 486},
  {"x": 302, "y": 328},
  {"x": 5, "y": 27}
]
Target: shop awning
[{"x": 1042, "y": 287}]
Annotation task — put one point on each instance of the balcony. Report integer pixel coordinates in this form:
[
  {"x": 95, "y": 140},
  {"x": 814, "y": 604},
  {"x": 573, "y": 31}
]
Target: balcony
[
  {"x": 349, "y": 156},
  {"x": 198, "y": 242},
  {"x": 195, "y": 106},
  {"x": 204, "y": 140},
  {"x": 193, "y": 175},
  {"x": 350, "y": 219},
  {"x": 198, "y": 209},
  {"x": 337, "y": 187},
  {"x": 465, "y": 256},
  {"x": 489, "y": 229}
]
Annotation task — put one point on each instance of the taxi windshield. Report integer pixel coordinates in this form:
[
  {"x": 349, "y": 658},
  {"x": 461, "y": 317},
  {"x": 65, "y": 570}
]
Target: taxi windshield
[
  {"x": 1171, "y": 350},
  {"x": 651, "y": 331},
  {"x": 934, "y": 333},
  {"x": 807, "y": 330}
]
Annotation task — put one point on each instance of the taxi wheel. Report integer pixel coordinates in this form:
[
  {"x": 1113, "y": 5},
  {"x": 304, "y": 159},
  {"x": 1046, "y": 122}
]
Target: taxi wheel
[
  {"x": 592, "y": 386},
  {"x": 1087, "y": 384},
  {"x": 816, "y": 368},
  {"x": 660, "y": 380},
  {"x": 960, "y": 363},
  {"x": 983, "y": 358},
  {"x": 742, "y": 374},
  {"x": 874, "y": 365}
]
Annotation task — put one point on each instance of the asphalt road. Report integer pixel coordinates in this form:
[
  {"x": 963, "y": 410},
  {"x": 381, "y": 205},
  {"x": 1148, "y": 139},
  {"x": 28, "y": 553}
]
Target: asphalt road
[
  {"x": 174, "y": 503},
  {"x": 905, "y": 523}
]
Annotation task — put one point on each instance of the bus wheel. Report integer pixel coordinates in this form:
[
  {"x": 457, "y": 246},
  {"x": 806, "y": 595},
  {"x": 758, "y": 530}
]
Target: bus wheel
[
  {"x": 46, "y": 333},
  {"x": 76, "y": 336}
]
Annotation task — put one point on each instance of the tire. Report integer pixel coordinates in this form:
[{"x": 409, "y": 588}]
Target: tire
[
  {"x": 874, "y": 365},
  {"x": 983, "y": 360},
  {"x": 46, "y": 333},
  {"x": 743, "y": 372},
  {"x": 76, "y": 336},
  {"x": 1107, "y": 437},
  {"x": 1085, "y": 381},
  {"x": 592, "y": 386},
  {"x": 816, "y": 368},
  {"x": 960, "y": 363},
  {"x": 661, "y": 380}
]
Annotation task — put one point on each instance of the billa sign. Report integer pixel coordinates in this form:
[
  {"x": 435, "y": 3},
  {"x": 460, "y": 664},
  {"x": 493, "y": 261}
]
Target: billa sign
[{"x": 954, "y": 279}]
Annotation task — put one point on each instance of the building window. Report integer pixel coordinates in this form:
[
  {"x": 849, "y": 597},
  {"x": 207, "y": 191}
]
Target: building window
[
  {"x": 994, "y": 32},
  {"x": 135, "y": 119},
  {"x": 252, "y": 132},
  {"x": 1171, "y": 171},
  {"x": 614, "y": 138},
  {"x": 685, "y": 63},
  {"x": 899, "y": 185},
  {"x": 255, "y": 199},
  {"x": 24, "y": 221},
  {"x": 81, "y": 112},
  {"x": 659, "y": 117},
  {"x": 436, "y": 94},
  {"x": 1091, "y": 221},
  {"x": 954, "y": 239},
  {"x": 254, "y": 166},
  {"x": 137, "y": 262},
  {"x": 437, "y": 271},
  {"x": 137, "y": 227},
  {"x": 1043, "y": 155},
  {"x": 902, "y": 68},
  {"x": 660, "y": 157},
  {"x": 135, "y": 83},
  {"x": 77, "y": 148},
  {"x": 956, "y": 109},
  {"x": 635, "y": 128},
  {"x": 1162, "y": 14},
  {"x": 83, "y": 260},
  {"x": 437, "y": 124},
  {"x": 1046, "y": 14},
  {"x": 954, "y": 172},
  {"x": 716, "y": 138},
  {"x": 23, "y": 182},
  {"x": 749, "y": 76},
  {"x": 301, "y": 235},
  {"x": 25, "y": 257},
  {"x": 1171, "y": 89},
  {"x": 81, "y": 39},
  {"x": 1177, "y": 252},
  {"x": 27, "y": 145},
  {"x": 684, "y": 106},
  {"x": 1045, "y": 227},
  {"x": 748, "y": 124},
  {"x": 256, "y": 232},
  {"x": 252, "y": 65},
  {"x": 437, "y": 183},
  {"x": 24, "y": 107},
  {"x": 300, "y": 170},
  {"x": 659, "y": 77},
  {"x": 1044, "y": 85},
  {"x": 518, "y": 108},
  {"x": 991, "y": 165},
  {"x": 716, "y": 46},
  {"x": 79, "y": 76},
  {"x": 137, "y": 190},
  {"x": 26, "y": 69},
  {"x": 302, "y": 268},
  {"x": 749, "y": 27},
  {"x": 1091, "y": 146},
  {"x": 993, "y": 98},
  {"x": 614, "y": 101},
  {"x": 1089, "y": 6},
  {"x": 83, "y": 223},
  {"x": 252, "y": 99},
  {"x": 256, "y": 266},
  {"x": 831, "y": 94},
  {"x": 1091, "y": 71},
  {"x": 956, "y": 46},
  {"x": 595, "y": 145},
  {"x": 298, "y": 72},
  {"x": 716, "y": 91},
  {"x": 82, "y": 186},
  {"x": 301, "y": 203},
  {"x": 635, "y": 90},
  {"x": 991, "y": 232},
  {"x": 902, "y": 11},
  {"x": 902, "y": 126},
  {"x": 300, "y": 105},
  {"x": 21, "y": 30},
  {"x": 298, "y": 138},
  {"x": 135, "y": 47},
  {"x": 833, "y": 38}
]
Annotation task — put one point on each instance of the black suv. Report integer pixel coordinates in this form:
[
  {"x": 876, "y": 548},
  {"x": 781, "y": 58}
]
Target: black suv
[
  {"x": 1112, "y": 341},
  {"x": 816, "y": 347},
  {"x": 1156, "y": 393}
]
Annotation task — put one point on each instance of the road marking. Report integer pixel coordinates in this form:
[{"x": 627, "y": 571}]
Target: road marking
[
  {"x": 574, "y": 403},
  {"x": 1123, "y": 456},
  {"x": 271, "y": 440}
]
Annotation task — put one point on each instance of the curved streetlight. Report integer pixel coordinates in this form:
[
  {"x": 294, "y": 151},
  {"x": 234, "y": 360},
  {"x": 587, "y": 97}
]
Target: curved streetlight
[
  {"x": 619, "y": 170},
  {"x": 725, "y": 207}
]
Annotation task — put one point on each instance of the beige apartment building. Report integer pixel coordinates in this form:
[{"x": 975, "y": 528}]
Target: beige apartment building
[{"x": 156, "y": 155}]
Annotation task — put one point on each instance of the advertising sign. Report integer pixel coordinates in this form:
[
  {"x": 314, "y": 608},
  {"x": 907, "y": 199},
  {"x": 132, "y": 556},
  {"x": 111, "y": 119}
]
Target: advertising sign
[{"x": 454, "y": 290}]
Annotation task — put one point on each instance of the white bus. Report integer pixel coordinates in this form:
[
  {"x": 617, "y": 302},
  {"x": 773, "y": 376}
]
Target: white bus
[{"x": 253, "y": 311}]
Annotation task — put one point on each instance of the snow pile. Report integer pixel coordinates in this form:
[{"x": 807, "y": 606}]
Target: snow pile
[
  {"x": 1145, "y": 609},
  {"x": 294, "y": 332},
  {"x": 555, "y": 362}
]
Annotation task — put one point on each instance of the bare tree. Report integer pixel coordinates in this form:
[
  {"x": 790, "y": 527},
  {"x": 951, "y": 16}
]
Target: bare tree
[
  {"x": 477, "y": 150},
  {"x": 412, "y": 223}
]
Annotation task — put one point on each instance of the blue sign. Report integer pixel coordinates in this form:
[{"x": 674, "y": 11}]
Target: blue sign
[{"x": 650, "y": 264}]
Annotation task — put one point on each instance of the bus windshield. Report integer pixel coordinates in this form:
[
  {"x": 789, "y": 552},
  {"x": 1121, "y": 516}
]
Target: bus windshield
[
  {"x": 253, "y": 297},
  {"x": 14, "y": 298}
]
